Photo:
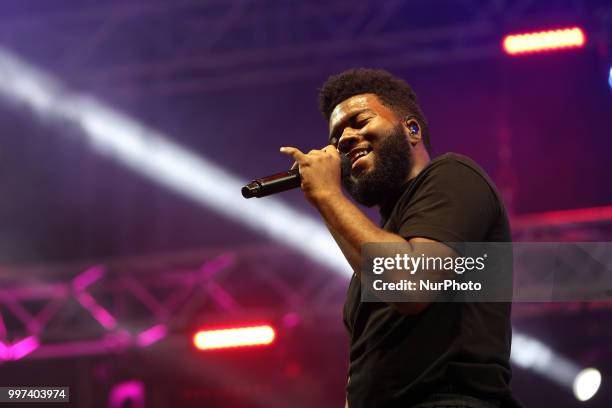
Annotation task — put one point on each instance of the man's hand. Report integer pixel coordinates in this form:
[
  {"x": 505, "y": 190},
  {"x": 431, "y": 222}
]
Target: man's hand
[
  {"x": 350, "y": 227},
  {"x": 319, "y": 171}
]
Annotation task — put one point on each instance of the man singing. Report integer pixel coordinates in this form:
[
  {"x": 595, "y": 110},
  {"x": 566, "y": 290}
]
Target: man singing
[{"x": 421, "y": 353}]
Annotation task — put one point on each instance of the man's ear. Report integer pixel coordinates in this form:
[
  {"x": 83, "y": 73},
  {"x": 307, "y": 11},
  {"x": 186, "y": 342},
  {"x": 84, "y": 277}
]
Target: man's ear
[{"x": 414, "y": 130}]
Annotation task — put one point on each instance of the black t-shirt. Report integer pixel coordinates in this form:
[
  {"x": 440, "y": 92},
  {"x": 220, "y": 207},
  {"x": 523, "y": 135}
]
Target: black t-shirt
[{"x": 397, "y": 360}]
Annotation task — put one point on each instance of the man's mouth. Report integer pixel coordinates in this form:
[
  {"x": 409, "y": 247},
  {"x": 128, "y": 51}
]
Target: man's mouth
[{"x": 358, "y": 156}]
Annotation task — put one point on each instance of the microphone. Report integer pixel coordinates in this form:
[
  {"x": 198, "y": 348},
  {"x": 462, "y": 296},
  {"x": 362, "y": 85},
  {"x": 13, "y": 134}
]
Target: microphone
[
  {"x": 288, "y": 180},
  {"x": 273, "y": 184}
]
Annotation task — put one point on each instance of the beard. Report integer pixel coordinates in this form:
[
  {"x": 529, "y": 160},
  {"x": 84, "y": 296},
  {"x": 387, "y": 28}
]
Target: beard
[{"x": 392, "y": 164}]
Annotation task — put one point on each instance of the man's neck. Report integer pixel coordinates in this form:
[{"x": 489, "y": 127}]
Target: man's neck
[{"x": 420, "y": 160}]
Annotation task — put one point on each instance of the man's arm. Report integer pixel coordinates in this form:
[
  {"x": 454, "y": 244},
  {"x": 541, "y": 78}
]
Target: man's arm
[{"x": 350, "y": 227}]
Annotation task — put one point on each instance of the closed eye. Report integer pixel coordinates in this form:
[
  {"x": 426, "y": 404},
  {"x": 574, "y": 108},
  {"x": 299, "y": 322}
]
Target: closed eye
[
  {"x": 360, "y": 122},
  {"x": 357, "y": 120}
]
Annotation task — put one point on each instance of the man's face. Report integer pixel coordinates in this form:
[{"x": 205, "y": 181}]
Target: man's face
[{"x": 376, "y": 151}]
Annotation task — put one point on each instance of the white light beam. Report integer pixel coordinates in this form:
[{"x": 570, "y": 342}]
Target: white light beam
[{"x": 153, "y": 154}]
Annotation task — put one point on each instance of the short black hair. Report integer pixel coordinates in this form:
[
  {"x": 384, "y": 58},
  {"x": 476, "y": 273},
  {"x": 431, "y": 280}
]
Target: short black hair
[{"x": 393, "y": 92}]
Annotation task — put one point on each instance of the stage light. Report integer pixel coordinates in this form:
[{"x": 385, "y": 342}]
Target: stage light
[
  {"x": 610, "y": 78},
  {"x": 533, "y": 42},
  {"x": 18, "y": 349},
  {"x": 129, "y": 393},
  {"x": 234, "y": 337},
  {"x": 151, "y": 335},
  {"x": 586, "y": 384},
  {"x": 151, "y": 153},
  {"x": 532, "y": 354}
]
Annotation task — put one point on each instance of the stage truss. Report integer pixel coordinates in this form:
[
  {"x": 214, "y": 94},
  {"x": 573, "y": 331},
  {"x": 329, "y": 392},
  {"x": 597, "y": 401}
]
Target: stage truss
[
  {"x": 110, "y": 306},
  {"x": 104, "y": 307},
  {"x": 187, "y": 46}
]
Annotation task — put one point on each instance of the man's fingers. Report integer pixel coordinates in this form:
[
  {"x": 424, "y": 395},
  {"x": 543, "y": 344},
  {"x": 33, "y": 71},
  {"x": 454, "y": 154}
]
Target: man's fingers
[
  {"x": 293, "y": 152},
  {"x": 331, "y": 149},
  {"x": 299, "y": 156}
]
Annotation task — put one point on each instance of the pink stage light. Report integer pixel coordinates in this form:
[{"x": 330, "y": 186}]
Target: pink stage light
[
  {"x": 5, "y": 351},
  {"x": 234, "y": 337},
  {"x": 151, "y": 335},
  {"x": 129, "y": 391},
  {"x": 24, "y": 347},
  {"x": 564, "y": 38},
  {"x": 88, "y": 277},
  {"x": 98, "y": 312},
  {"x": 19, "y": 349}
]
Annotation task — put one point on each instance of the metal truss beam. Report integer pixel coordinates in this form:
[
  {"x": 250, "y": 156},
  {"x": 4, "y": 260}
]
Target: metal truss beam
[
  {"x": 109, "y": 306},
  {"x": 193, "y": 46},
  {"x": 103, "y": 307}
]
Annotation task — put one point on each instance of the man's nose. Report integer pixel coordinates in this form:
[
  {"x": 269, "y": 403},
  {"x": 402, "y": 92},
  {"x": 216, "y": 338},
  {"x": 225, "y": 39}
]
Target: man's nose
[{"x": 348, "y": 139}]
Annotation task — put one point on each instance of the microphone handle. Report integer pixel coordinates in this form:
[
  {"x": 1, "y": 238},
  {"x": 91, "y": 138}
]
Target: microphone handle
[{"x": 273, "y": 184}]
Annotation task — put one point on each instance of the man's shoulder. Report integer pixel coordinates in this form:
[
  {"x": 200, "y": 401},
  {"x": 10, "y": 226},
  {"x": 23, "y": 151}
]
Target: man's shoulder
[
  {"x": 456, "y": 165},
  {"x": 451, "y": 159}
]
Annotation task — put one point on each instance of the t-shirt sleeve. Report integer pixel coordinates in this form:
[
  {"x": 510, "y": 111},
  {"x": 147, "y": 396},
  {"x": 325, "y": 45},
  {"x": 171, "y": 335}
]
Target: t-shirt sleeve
[{"x": 454, "y": 203}]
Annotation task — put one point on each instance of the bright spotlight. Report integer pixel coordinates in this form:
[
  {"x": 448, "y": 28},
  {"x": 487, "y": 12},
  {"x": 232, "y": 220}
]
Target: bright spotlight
[
  {"x": 532, "y": 354},
  {"x": 586, "y": 384},
  {"x": 235, "y": 337},
  {"x": 544, "y": 41},
  {"x": 610, "y": 78}
]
